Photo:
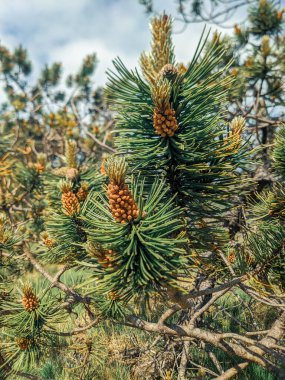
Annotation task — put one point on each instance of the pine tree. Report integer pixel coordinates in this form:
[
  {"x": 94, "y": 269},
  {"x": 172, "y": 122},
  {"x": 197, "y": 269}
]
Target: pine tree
[
  {"x": 141, "y": 239},
  {"x": 258, "y": 68},
  {"x": 256, "y": 54}
]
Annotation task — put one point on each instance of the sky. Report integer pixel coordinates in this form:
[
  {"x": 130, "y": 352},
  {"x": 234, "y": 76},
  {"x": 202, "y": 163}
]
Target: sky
[{"x": 67, "y": 30}]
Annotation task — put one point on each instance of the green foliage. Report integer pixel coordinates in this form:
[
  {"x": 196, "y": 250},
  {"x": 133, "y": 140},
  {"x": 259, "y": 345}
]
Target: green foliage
[
  {"x": 152, "y": 223},
  {"x": 146, "y": 253},
  {"x": 50, "y": 76},
  {"x": 265, "y": 18},
  {"x": 198, "y": 162},
  {"x": 279, "y": 154}
]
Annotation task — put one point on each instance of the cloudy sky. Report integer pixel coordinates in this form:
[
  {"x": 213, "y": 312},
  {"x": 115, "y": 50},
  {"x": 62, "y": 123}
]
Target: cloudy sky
[{"x": 67, "y": 30}]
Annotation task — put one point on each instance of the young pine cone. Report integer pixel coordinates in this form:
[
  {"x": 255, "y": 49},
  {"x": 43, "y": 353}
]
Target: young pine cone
[
  {"x": 70, "y": 203},
  {"x": 122, "y": 204},
  {"x": 169, "y": 72},
  {"x": 164, "y": 121},
  {"x": 30, "y": 301}
]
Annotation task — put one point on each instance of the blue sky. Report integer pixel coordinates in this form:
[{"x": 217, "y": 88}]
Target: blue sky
[{"x": 67, "y": 30}]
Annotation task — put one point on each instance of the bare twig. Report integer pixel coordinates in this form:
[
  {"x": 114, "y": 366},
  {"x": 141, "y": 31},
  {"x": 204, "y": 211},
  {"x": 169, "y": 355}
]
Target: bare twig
[{"x": 77, "y": 331}]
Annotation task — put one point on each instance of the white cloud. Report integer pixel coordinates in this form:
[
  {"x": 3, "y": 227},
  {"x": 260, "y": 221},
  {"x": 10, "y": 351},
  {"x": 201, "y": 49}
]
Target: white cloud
[
  {"x": 72, "y": 53},
  {"x": 67, "y": 30}
]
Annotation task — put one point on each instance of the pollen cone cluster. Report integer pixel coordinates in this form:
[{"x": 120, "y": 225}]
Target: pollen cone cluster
[
  {"x": 121, "y": 201},
  {"x": 280, "y": 14},
  {"x": 47, "y": 240},
  {"x": 82, "y": 192},
  {"x": 102, "y": 169},
  {"x": 30, "y": 301},
  {"x": 237, "y": 30},
  {"x": 122, "y": 204},
  {"x": 24, "y": 343},
  {"x": 41, "y": 163},
  {"x": 105, "y": 258},
  {"x": 69, "y": 201},
  {"x": 164, "y": 121},
  {"x": 232, "y": 257}
]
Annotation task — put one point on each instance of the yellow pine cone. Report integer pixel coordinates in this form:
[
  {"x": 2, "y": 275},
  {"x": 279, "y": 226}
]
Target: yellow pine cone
[
  {"x": 82, "y": 192},
  {"x": 249, "y": 62},
  {"x": 104, "y": 159},
  {"x": 30, "y": 301},
  {"x": 122, "y": 204},
  {"x": 232, "y": 257},
  {"x": 237, "y": 30},
  {"x": 250, "y": 259},
  {"x": 165, "y": 122},
  {"x": 39, "y": 167},
  {"x": 234, "y": 71},
  {"x": 105, "y": 258},
  {"x": 102, "y": 169},
  {"x": 70, "y": 203},
  {"x": 24, "y": 343},
  {"x": 168, "y": 375},
  {"x": 280, "y": 14},
  {"x": 49, "y": 242}
]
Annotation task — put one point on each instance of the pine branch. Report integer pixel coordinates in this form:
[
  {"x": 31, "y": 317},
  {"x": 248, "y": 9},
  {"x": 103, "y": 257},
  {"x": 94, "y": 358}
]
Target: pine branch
[
  {"x": 78, "y": 330},
  {"x": 55, "y": 282},
  {"x": 218, "y": 340}
]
